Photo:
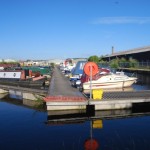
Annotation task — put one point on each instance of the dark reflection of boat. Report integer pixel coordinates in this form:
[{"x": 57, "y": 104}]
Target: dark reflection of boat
[
  {"x": 12, "y": 100},
  {"x": 17, "y": 100},
  {"x": 3, "y": 95},
  {"x": 16, "y": 97},
  {"x": 65, "y": 117},
  {"x": 15, "y": 94}
]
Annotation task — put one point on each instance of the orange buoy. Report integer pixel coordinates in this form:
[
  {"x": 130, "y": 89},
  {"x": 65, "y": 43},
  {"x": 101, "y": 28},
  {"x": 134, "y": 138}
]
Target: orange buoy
[
  {"x": 91, "y": 68},
  {"x": 91, "y": 144}
]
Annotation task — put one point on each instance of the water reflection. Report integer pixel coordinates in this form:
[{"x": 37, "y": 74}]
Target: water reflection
[
  {"x": 80, "y": 116},
  {"x": 106, "y": 129},
  {"x": 3, "y": 95},
  {"x": 143, "y": 79},
  {"x": 78, "y": 129},
  {"x": 12, "y": 99},
  {"x": 15, "y": 98},
  {"x": 15, "y": 94}
]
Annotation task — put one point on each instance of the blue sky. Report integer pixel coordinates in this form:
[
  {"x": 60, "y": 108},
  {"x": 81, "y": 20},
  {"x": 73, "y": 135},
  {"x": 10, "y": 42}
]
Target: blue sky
[{"x": 48, "y": 29}]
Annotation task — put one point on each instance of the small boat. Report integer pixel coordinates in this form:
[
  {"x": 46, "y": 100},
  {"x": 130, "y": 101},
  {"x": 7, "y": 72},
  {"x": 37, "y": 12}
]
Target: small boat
[
  {"x": 106, "y": 80},
  {"x": 22, "y": 78}
]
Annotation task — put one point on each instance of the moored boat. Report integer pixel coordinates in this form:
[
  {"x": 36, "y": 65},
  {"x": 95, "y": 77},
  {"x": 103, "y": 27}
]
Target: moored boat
[
  {"x": 22, "y": 78},
  {"x": 106, "y": 80}
]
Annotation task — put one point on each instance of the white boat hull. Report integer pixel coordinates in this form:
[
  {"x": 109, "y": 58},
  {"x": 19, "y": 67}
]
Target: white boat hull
[{"x": 109, "y": 82}]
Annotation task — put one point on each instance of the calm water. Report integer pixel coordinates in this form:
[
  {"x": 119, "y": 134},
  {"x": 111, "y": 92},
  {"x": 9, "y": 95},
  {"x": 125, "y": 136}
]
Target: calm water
[{"x": 24, "y": 128}]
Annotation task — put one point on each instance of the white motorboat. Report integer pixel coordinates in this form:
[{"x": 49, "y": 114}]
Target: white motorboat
[{"x": 107, "y": 81}]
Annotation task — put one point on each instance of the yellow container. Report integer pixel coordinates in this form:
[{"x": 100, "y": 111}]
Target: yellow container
[
  {"x": 97, "y": 94},
  {"x": 97, "y": 124}
]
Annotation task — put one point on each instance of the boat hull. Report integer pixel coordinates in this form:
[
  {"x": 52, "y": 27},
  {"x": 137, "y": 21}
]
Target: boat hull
[{"x": 108, "y": 85}]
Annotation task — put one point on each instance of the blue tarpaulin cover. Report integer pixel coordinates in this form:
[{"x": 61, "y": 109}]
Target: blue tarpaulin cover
[{"x": 79, "y": 68}]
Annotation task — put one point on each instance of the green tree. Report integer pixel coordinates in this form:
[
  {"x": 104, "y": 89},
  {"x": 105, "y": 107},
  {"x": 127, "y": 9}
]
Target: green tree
[
  {"x": 123, "y": 62},
  {"x": 94, "y": 59},
  {"x": 102, "y": 63},
  {"x": 52, "y": 65},
  {"x": 114, "y": 63},
  {"x": 133, "y": 63}
]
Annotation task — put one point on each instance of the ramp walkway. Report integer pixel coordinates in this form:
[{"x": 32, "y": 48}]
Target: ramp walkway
[
  {"x": 62, "y": 96},
  {"x": 60, "y": 85}
]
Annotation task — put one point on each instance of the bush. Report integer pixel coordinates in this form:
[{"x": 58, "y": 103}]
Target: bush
[
  {"x": 114, "y": 63},
  {"x": 133, "y": 63},
  {"x": 94, "y": 59}
]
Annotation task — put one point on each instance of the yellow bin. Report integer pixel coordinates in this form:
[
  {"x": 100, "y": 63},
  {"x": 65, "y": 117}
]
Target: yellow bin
[
  {"x": 97, "y": 124},
  {"x": 97, "y": 94}
]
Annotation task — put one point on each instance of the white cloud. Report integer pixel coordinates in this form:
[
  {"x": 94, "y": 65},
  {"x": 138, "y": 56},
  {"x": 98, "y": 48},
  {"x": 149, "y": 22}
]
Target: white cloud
[{"x": 122, "y": 20}]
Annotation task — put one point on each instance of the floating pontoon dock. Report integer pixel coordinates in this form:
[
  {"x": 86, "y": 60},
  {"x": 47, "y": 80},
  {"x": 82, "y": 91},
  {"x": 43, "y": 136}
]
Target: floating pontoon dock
[{"x": 62, "y": 96}]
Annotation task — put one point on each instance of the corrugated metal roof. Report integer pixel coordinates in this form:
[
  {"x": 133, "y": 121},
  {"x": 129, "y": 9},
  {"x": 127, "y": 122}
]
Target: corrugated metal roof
[{"x": 132, "y": 51}]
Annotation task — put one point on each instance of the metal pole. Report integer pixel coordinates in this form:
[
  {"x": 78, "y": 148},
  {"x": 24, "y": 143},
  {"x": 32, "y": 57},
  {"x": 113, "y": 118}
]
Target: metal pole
[{"x": 90, "y": 81}]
